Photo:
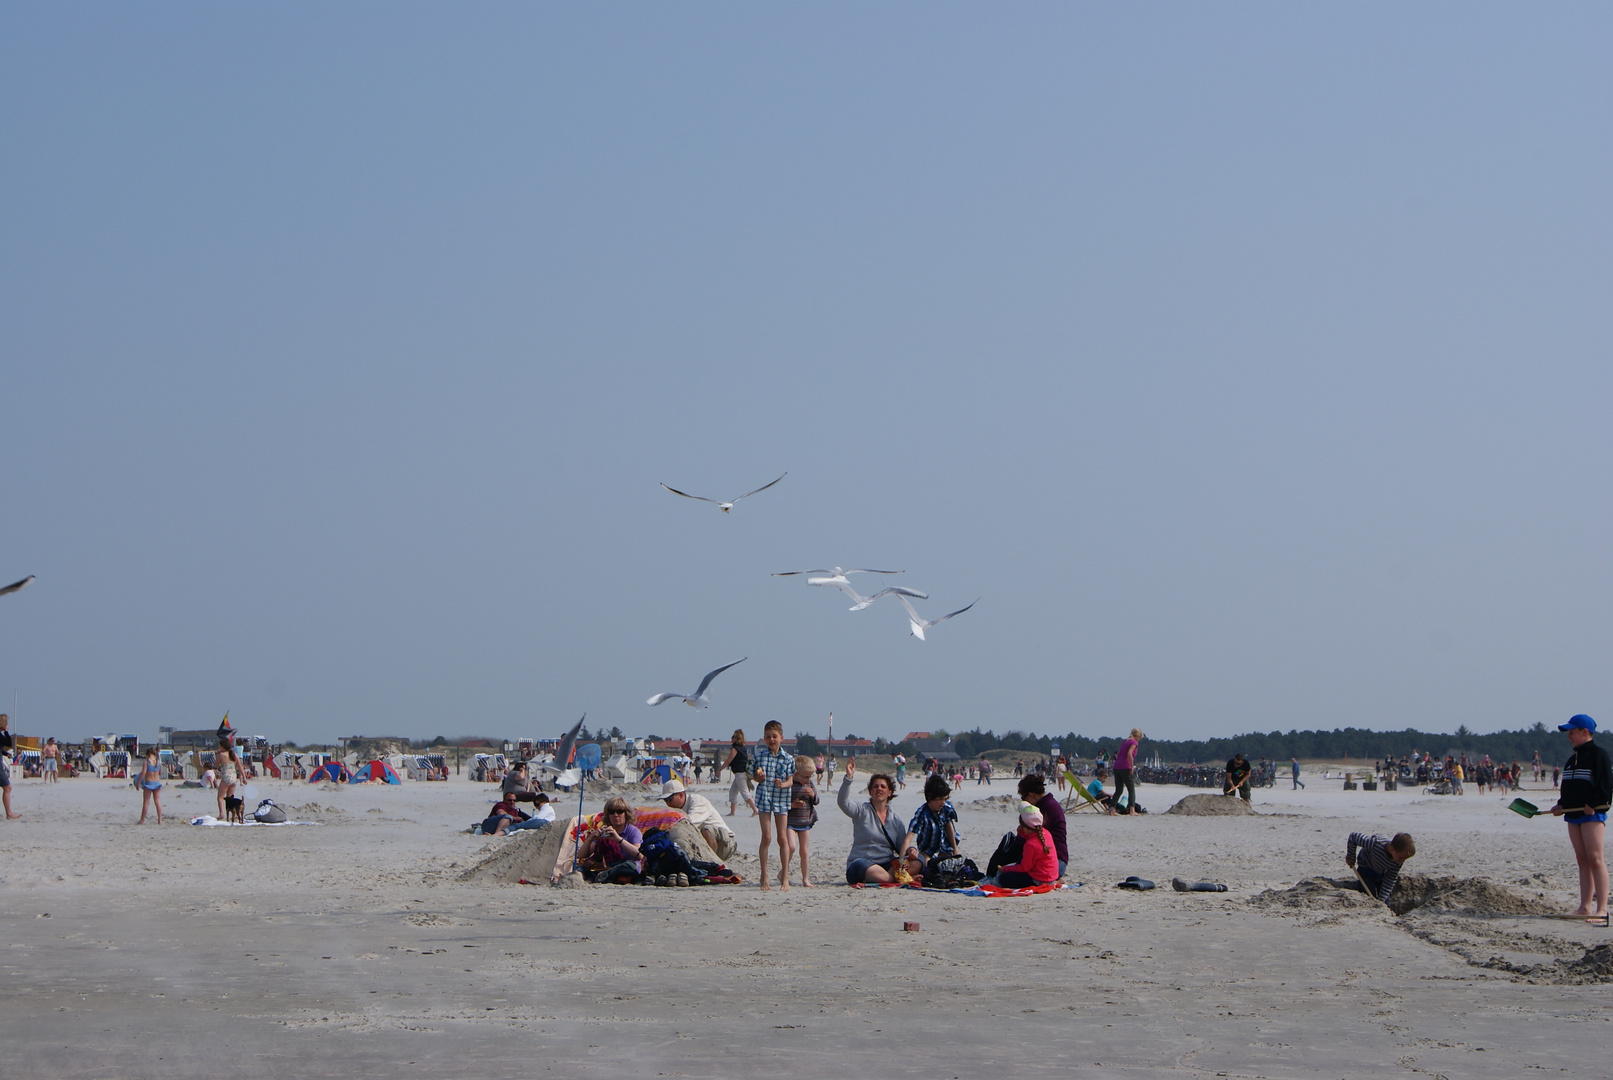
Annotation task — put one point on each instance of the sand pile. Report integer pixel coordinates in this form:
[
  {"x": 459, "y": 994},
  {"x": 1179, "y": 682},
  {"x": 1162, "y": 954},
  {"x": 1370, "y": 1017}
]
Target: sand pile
[
  {"x": 1596, "y": 966},
  {"x": 532, "y": 853},
  {"x": 1211, "y": 806},
  {"x": 605, "y": 790},
  {"x": 1464, "y": 896},
  {"x": 1474, "y": 897},
  {"x": 998, "y": 802},
  {"x": 1312, "y": 894}
]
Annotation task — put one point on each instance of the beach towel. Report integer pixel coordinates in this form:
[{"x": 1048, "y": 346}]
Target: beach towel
[
  {"x": 208, "y": 821},
  {"x": 996, "y": 890}
]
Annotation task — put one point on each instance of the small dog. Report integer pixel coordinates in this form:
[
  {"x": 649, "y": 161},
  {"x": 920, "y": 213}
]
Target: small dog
[{"x": 233, "y": 810}]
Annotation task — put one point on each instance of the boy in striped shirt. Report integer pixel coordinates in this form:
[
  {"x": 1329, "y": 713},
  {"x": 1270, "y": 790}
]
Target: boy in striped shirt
[{"x": 1377, "y": 861}]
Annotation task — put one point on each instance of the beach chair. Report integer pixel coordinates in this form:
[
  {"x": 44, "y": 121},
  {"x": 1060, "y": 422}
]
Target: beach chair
[{"x": 1081, "y": 798}]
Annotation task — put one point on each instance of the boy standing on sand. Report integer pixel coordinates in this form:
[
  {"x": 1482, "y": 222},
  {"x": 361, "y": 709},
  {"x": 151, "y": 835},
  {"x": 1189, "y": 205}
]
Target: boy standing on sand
[
  {"x": 1379, "y": 861},
  {"x": 774, "y": 771}
]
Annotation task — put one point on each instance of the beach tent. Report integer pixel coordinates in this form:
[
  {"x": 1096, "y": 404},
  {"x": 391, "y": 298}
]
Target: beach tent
[
  {"x": 375, "y": 770},
  {"x": 331, "y": 770}
]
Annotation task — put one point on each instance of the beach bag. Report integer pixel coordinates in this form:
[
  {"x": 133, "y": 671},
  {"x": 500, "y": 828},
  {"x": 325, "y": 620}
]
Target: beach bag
[
  {"x": 952, "y": 872},
  {"x": 269, "y": 813}
]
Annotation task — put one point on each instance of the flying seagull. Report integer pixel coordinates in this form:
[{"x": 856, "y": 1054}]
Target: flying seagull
[
  {"x": 919, "y": 625},
  {"x": 836, "y": 579},
  {"x": 723, "y": 506},
  {"x": 562, "y": 757},
  {"x": 18, "y": 585},
  {"x": 894, "y": 590},
  {"x": 701, "y": 698}
]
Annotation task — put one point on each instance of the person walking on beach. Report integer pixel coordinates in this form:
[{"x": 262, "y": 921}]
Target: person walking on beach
[
  {"x": 901, "y": 771},
  {"x": 1583, "y": 804},
  {"x": 150, "y": 787},
  {"x": 1125, "y": 762},
  {"x": 50, "y": 756},
  {"x": 775, "y": 772},
  {"x": 230, "y": 771},
  {"x": 1237, "y": 777},
  {"x": 8, "y": 747},
  {"x": 738, "y": 763},
  {"x": 1294, "y": 765}
]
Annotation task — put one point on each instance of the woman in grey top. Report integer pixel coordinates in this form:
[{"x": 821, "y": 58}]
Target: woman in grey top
[{"x": 879, "y": 839}]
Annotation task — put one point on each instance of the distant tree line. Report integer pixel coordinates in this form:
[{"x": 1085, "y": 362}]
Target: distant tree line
[{"x": 1334, "y": 745}]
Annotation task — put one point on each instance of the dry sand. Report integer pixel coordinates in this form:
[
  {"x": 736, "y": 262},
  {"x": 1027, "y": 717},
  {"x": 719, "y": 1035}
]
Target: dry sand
[{"x": 362, "y": 944}]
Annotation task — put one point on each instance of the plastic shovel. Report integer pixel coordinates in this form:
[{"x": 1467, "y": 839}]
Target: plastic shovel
[{"x": 1524, "y": 807}]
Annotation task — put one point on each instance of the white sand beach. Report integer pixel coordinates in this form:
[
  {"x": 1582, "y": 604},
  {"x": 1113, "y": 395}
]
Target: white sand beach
[{"x": 353, "y": 946}]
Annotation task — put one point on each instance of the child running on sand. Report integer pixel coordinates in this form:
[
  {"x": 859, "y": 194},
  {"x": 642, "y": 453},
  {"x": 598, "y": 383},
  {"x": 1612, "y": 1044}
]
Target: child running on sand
[
  {"x": 1378, "y": 862},
  {"x": 803, "y": 813}
]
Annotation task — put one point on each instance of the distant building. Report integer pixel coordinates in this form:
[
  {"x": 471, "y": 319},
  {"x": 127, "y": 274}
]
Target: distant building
[{"x": 928, "y": 746}]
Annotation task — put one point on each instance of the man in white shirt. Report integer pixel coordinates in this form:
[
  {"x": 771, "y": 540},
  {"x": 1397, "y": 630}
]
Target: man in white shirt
[{"x": 703, "y": 816}]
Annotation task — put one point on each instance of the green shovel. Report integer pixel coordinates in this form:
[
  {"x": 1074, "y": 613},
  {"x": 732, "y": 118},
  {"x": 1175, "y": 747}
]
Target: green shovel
[{"x": 1524, "y": 807}]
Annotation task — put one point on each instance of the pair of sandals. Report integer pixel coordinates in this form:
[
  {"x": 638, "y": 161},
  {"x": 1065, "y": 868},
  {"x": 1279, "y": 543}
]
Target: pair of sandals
[
  {"x": 1140, "y": 884},
  {"x": 676, "y": 881}
]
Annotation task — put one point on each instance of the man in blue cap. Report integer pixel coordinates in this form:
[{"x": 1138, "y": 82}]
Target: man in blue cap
[{"x": 1582, "y": 802}]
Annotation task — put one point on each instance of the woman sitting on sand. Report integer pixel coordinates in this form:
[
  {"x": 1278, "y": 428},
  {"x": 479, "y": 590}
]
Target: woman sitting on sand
[
  {"x": 615, "y": 845},
  {"x": 1038, "y": 862},
  {"x": 880, "y": 844}
]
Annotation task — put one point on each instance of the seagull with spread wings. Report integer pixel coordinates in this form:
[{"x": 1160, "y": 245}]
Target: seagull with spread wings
[
  {"x": 919, "y": 625},
  {"x": 723, "y": 506},
  {"x": 836, "y": 579},
  {"x": 17, "y": 586},
  {"x": 701, "y": 698}
]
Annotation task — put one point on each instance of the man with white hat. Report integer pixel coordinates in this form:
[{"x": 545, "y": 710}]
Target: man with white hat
[{"x": 703, "y": 816}]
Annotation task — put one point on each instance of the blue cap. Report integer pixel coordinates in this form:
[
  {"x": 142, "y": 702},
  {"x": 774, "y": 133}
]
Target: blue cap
[{"x": 1581, "y": 721}]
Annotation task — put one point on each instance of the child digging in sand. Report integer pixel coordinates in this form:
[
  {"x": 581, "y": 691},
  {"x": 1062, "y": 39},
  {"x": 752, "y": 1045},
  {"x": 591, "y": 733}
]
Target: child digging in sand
[
  {"x": 1378, "y": 862},
  {"x": 803, "y": 813}
]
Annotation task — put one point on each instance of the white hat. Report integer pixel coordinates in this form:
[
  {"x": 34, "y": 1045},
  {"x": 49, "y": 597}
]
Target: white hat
[{"x": 670, "y": 788}]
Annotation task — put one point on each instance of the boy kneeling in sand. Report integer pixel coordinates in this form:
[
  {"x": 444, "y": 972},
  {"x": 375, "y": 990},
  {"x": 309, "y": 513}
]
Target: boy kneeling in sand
[{"x": 1378, "y": 864}]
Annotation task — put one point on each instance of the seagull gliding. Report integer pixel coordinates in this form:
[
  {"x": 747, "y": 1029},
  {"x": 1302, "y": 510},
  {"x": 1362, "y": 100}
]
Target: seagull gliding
[
  {"x": 723, "y": 506},
  {"x": 701, "y": 698}
]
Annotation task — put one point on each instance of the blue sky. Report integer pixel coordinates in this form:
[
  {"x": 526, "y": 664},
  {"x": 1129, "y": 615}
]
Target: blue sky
[{"x": 1249, "y": 362}]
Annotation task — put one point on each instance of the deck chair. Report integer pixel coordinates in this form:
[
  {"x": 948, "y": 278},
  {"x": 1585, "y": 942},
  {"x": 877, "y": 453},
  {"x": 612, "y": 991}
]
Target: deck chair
[{"x": 1082, "y": 798}]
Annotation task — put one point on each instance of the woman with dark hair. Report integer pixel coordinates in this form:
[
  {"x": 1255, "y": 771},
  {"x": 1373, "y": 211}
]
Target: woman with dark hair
[
  {"x": 738, "y": 762},
  {"x": 1038, "y": 862},
  {"x": 880, "y": 844},
  {"x": 615, "y": 844},
  {"x": 1034, "y": 791}
]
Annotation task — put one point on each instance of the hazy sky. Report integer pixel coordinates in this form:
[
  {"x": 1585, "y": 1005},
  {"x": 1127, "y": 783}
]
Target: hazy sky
[{"x": 1249, "y": 362}]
